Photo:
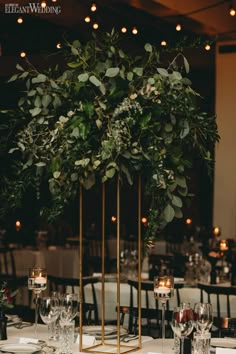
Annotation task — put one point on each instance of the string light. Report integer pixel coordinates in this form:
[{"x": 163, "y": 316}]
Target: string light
[
  {"x": 134, "y": 30},
  {"x": 54, "y": 0},
  {"x": 113, "y": 218},
  {"x": 163, "y": 43},
  {"x": 207, "y": 47},
  {"x": 23, "y": 54},
  {"x": 93, "y": 7},
  {"x": 95, "y": 26},
  {"x": 18, "y": 225},
  {"x": 188, "y": 221},
  {"x": 87, "y": 19},
  {"x": 43, "y": 4},
  {"x": 178, "y": 27},
  {"x": 20, "y": 20},
  {"x": 58, "y": 45},
  {"x": 123, "y": 29}
]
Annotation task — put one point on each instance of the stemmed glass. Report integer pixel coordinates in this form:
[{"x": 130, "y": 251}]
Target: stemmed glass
[
  {"x": 69, "y": 307},
  {"x": 203, "y": 316},
  {"x": 182, "y": 322},
  {"x": 37, "y": 282},
  {"x": 163, "y": 291},
  {"x": 49, "y": 309}
]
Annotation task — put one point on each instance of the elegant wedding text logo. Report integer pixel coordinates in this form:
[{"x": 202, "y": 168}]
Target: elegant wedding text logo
[{"x": 32, "y": 7}]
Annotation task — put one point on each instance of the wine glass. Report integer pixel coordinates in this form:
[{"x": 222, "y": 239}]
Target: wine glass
[
  {"x": 182, "y": 322},
  {"x": 37, "y": 282},
  {"x": 163, "y": 291},
  {"x": 69, "y": 307},
  {"x": 203, "y": 316},
  {"x": 49, "y": 310}
]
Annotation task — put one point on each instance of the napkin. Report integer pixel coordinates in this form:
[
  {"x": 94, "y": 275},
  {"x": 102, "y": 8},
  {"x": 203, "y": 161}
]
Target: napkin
[
  {"x": 25, "y": 340},
  {"x": 225, "y": 351},
  {"x": 86, "y": 340}
]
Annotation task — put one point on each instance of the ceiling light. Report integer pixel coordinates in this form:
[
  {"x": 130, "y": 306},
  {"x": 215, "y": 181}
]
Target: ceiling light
[
  {"x": 23, "y": 54},
  {"x": 95, "y": 26},
  {"x": 134, "y": 30},
  {"x": 93, "y": 7},
  {"x": 178, "y": 27},
  {"x": 20, "y": 20},
  {"x": 123, "y": 29},
  {"x": 163, "y": 43},
  {"x": 87, "y": 19}
]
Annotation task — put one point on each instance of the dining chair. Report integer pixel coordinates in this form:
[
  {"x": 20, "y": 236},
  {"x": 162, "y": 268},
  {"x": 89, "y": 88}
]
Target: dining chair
[
  {"x": 223, "y": 300},
  {"x": 63, "y": 285},
  {"x": 151, "y": 315}
]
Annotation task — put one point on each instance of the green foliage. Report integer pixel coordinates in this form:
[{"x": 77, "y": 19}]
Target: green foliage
[{"x": 110, "y": 113}]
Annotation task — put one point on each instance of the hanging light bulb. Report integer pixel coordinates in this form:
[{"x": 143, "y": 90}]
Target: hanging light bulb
[
  {"x": 123, "y": 29},
  {"x": 58, "y": 45},
  {"x": 23, "y": 54},
  {"x": 163, "y": 43},
  {"x": 178, "y": 27},
  {"x": 20, "y": 20},
  {"x": 43, "y": 4},
  {"x": 207, "y": 47},
  {"x": 87, "y": 19},
  {"x": 93, "y": 7},
  {"x": 54, "y": 0},
  {"x": 95, "y": 26},
  {"x": 232, "y": 11},
  {"x": 134, "y": 30}
]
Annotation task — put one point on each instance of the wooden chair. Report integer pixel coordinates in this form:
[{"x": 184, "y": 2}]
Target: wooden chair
[
  {"x": 223, "y": 323},
  {"x": 61, "y": 285}
]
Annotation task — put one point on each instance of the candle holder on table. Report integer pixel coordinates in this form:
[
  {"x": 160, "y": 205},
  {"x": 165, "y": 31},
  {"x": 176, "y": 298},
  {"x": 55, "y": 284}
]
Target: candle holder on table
[
  {"x": 163, "y": 291},
  {"x": 37, "y": 282}
]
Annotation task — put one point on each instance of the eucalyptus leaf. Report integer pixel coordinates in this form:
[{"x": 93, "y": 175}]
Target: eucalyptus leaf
[
  {"x": 169, "y": 213},
  {"x": 95, "y": 81},
  {"x": 112, "y": 72}
]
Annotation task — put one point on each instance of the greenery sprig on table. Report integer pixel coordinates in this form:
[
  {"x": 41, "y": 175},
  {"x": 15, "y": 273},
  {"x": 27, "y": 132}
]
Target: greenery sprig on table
[{"x": 109, "y": 113}]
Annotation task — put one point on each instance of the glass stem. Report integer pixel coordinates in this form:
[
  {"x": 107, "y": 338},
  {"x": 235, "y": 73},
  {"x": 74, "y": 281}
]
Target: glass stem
[
  {"x": 36, "y": 314},
  {"x": 182, "y": 345},
  {"x": 163, "y": 324}
]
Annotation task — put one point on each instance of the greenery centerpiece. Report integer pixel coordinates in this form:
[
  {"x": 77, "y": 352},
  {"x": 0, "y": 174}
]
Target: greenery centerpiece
[{"x": 108, "y": 113}]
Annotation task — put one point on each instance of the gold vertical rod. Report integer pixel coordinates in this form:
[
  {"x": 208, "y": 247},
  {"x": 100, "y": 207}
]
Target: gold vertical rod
[
  {"x": 80, "y": 267},
  {"x": 139, "y": 258},
  {"x": 118, "y": 261},
  {"x": 103, "y": 259}
]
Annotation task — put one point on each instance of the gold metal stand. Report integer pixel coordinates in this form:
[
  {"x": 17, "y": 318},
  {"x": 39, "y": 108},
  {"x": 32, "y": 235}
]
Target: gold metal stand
[{"x": 104, "y": 346}]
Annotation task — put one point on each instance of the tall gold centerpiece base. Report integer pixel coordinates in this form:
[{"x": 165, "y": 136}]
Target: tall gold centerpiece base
[{"x": 104, "y": 346}]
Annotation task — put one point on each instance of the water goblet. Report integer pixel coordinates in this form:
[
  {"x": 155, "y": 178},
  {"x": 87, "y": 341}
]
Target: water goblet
[
  {"x": 182, "y": 322},
  {"x": 203, "y": 316},
  {"x": 69, "y": 307},
  {"x": 49, "y": 309},
  {"x": 37, "y": 282}
]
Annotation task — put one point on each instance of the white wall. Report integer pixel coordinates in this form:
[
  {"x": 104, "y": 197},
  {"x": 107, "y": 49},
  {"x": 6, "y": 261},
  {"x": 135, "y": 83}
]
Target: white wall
[{"x": 224, "y": 206}]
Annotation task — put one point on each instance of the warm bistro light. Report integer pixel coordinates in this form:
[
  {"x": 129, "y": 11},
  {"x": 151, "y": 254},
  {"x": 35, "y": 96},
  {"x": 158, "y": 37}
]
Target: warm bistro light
[
  {"x": 123, "y": 29},
  {"x": 207, "y": 47},
  {"x": 232, "y": 11},
  {"x": 163, "y": 43},
  {"x": 93, "y": 7},
  {"x": 144, "y": 220},
  {"x": 87, "y": 19},
  {"x": 18, "y": 225},
  {"x": 134, "y": 30},
  {"x": 224, "y": 245},
  {"x": 43, "y": 4},
  {"x": 95, "y": 26},
  {"x": 188, "y": 221},
  {"x": 216, "y": 231},
  {"x": 20, "y": 20},
  {"x": 113, "y": 218},
  {"x": 178, "y": 27},
  {"x": 23, "y": 54},
  {"x": 58, "y": 45},
  {"x": 54, "y": 0}
]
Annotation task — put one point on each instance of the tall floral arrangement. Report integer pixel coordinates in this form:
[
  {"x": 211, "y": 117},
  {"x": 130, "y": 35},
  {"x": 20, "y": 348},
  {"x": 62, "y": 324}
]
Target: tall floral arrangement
[{"x": 109, "y": 113}]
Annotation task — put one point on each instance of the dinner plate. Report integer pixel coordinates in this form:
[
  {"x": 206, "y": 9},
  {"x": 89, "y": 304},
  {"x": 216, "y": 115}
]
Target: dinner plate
[
  {"x": 110, "y": 332},
  {"x": 223, "y": 342},
  {"x": 20, "y": 348}
]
